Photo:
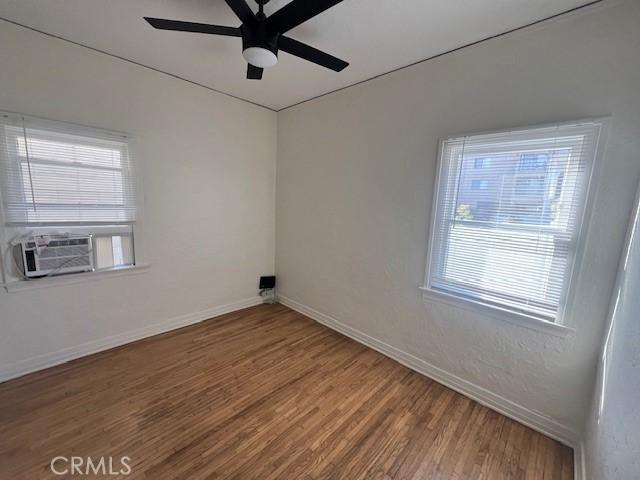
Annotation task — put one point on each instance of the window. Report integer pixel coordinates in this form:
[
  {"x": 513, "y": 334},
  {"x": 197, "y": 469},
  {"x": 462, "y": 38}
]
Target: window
[
  {"x": 113, "y": 250},
  {"x": 531, "y": 186},
  {"x": 481, "y": 162},
  {"x": 479, "y": 184},
  {"x": 510, "y": 244},
  {"x": 57, "y": 177},
  {"x": 533, "y": 161}
]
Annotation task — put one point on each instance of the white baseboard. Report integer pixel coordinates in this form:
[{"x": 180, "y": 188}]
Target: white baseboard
[
  {"x": 535, "y": 420},
  {"x": 47, "y": 360}
]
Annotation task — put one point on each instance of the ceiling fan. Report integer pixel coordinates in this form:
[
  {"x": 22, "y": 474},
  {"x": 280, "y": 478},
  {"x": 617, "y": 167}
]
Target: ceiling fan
[{"x": 263, "y": 37}]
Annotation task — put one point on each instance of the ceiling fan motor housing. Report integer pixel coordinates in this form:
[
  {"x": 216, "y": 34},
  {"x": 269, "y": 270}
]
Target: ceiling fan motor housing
[{"x": 257, "y": 36}]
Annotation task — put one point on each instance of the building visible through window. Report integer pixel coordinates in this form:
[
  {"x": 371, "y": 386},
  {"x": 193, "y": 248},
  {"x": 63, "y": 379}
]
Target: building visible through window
[{"x": 533, "y": 195}]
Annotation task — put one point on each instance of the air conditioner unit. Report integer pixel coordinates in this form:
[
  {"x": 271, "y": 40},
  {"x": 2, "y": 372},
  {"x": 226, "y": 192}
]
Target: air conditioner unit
[{"x": 56, "y": 254}]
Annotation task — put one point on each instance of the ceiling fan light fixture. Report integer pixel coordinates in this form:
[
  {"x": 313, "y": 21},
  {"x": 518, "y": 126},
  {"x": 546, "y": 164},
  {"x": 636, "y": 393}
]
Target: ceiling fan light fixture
[
  {"x": 260, "y": 57},
  {"x": 263, "y": 37}
]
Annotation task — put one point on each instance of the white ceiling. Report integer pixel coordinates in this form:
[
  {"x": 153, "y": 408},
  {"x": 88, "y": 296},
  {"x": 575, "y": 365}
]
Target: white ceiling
[{"x": 375, "y": 36}]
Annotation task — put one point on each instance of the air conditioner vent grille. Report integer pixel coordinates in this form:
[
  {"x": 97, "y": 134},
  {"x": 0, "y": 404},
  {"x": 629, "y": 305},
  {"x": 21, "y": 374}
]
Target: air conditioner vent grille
[
  {"x": 53, "y": 263},
  {"x": 49, "y": 252}
]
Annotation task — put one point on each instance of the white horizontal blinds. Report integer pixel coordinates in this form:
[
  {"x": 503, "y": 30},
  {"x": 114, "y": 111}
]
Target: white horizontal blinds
[
  {"x": 54, "y": 173},
  {"x": 508, "y": 214}
]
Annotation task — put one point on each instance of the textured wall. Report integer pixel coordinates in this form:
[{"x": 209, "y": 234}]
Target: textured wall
[
  {"x": 209, "y": 193},
  {"x": 612, "y": 446},
  {"x": 355, "y": 181}
]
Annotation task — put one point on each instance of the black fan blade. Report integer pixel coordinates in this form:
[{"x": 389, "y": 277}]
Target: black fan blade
[
  {"x": 163, "y": 24},
  {"x": 297, "y": 12},
  {"x": 253, "y": 72},
  {"x": 311, "y": 54},
  {"x": 242, "y": 11}
]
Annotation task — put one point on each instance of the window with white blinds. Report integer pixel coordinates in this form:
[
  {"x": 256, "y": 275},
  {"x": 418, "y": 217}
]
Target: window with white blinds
[
  {"x": 507, "y": 216},
  {"x": 53, "y": 173}
]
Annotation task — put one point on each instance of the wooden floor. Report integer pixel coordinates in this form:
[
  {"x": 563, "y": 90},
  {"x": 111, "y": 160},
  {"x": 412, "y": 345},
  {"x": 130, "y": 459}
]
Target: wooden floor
[{"x": 263, "y": 393}]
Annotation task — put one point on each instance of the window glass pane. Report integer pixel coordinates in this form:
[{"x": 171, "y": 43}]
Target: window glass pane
[
  {"x": 40, "y": 148},
  {"x": 481, "y": 162},
  {"x": 500, "y": 192},
  {"x": 534, "y": 161},
  {"x": 104, "y": 252},
  {"x": 113, "y": 251},
  {"x": 127, "y": 250},
  {"x": 59, "y": 185},
  {"x": 118, "y": 257}
]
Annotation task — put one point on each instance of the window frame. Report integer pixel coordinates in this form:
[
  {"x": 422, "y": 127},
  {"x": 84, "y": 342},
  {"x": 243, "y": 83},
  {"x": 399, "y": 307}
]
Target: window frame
[
  {"x": 563, "y": 322},
  {"x": 135, "y": 229}
]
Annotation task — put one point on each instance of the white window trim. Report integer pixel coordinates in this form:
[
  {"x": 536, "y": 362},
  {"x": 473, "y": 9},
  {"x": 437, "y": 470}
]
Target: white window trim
[
  {"x": 493, "y": 311},
  {"x": 70, "y": 279},
  {"x": 13, "y": 284},
  {"x": 565, "y": 323}
]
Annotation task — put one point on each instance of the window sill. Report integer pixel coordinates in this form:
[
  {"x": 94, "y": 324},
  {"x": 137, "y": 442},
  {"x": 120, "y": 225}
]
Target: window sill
[
  {"x": 22, "y": 285},
  {"x": 498, "y": 313}
]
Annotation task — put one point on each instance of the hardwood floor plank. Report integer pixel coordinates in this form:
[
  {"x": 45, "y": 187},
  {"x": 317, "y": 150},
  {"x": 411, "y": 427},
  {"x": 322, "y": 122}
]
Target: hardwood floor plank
[{"x": 263, "y": 393}]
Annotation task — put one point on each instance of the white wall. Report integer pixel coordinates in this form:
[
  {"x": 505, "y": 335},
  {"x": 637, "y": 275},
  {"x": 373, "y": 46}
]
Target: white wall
[
  {"x": 355, "y": 181},
  {"x": 209, "y": 194},
  {"x": 612, "y": 446}
]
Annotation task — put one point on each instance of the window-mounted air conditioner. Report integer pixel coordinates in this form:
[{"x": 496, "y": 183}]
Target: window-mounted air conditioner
[{"x": 56, "y": 254}]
